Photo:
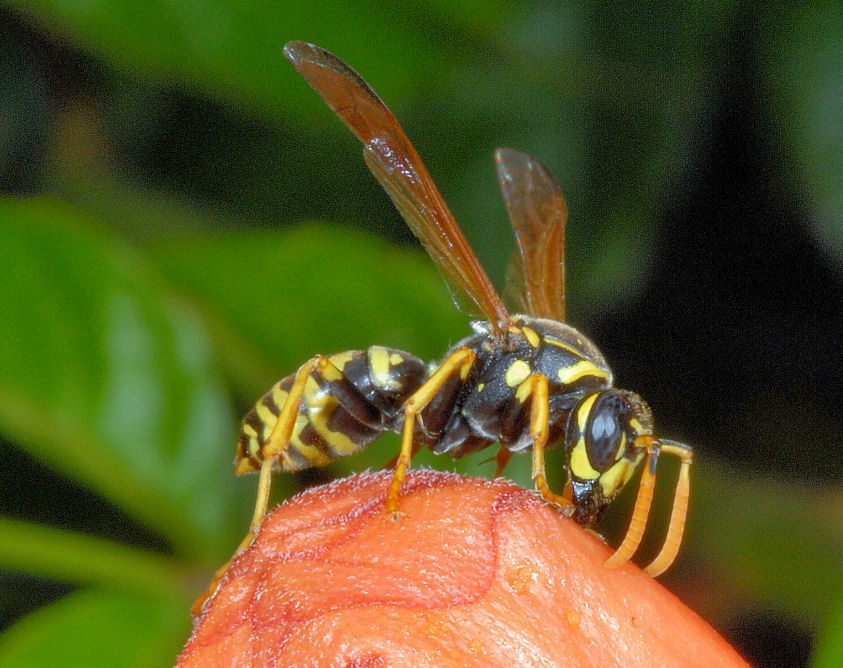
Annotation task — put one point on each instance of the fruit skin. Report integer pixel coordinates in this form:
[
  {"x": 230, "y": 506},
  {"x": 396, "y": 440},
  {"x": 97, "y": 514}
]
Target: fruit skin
[{"x": 475, "y": 573}]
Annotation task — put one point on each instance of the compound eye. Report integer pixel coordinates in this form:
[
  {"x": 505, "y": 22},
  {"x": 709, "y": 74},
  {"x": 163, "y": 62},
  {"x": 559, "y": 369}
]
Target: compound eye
[{"x": 605, "y": 429}]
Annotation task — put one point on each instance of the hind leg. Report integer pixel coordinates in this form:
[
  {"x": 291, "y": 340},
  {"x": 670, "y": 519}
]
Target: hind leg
[{"x": 457, "y": 364}]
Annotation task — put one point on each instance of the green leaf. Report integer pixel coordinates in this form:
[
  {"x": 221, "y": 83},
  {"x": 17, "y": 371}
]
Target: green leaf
[
  {"x": 274, "y": 299},
  {"x": 829, "y": 650},
  {"x": 82, "y": 559},
  {"x": 232, "y": 49},
  {"x": 608, "y": 96},
  {"x": 108, "y": 378},
  {"x": 97, "y": 628},
  {"x": 802, "y": 45},
  {"x": 782, "y": 542},
  {"x": 316, "y": 288}
]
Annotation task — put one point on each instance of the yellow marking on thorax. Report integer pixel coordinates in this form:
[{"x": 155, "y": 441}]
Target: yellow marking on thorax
[
  {"x": 564, "y": 346},
  {"x": 517, "y": 373},
  {"x": 395, "y": 359},
  {"x": 580, "y": 466},
  {"x": 531, "y": 336},
  {"x": 480, "y": 386},
  {"x": 569, "y": 374}
]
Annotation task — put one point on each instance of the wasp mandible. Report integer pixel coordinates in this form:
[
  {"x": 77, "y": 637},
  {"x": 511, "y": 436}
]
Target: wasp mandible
[{"x": 527, "y": 381}]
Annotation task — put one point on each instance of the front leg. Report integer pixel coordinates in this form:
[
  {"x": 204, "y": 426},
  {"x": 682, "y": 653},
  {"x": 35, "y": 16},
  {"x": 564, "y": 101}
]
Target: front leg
[{"x": 535, "y": 390}]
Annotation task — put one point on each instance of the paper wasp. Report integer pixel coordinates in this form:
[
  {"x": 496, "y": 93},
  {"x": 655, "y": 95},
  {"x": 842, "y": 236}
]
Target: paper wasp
[{"x": 527, "y": 382}]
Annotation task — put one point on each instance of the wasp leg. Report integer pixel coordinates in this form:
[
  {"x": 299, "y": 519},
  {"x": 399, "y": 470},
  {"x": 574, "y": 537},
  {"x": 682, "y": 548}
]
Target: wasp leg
[
  {"x": 638, "y": 522},
  {"x": 680, "y": 508},
  {"x": 394, "y": 461},
  {"x": 274, "y": 448},
  {"x": 535, "y": 388},
  {"x": 460, "y": 361},
  {"x": 502, "y": 459},
  {"x": 260, "y": 511}
]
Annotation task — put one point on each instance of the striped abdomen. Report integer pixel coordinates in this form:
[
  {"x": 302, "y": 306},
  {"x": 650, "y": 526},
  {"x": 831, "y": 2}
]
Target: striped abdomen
[{"x": 338, "y": 416}]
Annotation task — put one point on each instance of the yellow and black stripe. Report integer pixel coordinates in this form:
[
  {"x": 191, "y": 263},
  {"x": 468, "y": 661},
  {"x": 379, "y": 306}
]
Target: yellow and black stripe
[{"x": 346, "y": 404}]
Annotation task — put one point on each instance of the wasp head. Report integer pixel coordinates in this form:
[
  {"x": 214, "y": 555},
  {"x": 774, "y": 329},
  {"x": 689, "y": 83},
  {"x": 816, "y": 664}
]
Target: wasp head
[{"x": 607, "y": 437}]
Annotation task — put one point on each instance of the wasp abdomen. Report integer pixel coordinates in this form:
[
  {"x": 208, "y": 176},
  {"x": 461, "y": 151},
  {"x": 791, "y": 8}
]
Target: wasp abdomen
[{"x": 349, "y": 399}]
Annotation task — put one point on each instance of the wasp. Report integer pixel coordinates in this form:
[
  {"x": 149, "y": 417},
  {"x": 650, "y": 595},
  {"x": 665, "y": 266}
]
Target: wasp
[{"x": 525, "y": 381}]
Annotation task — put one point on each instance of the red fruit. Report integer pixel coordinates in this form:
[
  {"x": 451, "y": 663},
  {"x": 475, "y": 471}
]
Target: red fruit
[{"x": 476, "y": 573}]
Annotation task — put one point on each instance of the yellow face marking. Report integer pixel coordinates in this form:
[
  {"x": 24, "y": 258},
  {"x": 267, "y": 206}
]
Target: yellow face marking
[
  {"x": 480, "y": 386},
  {"x": 580, "y": 466},
  {"x": 531, "y": 336},
  {"x": 583, "y": 411},
  {"x": 569, "y": 374},
  {"x": 517, "y": 373},
  {"x": 636, "y": 425},
  {"x": 621, "y": 447},
  {"x": 615, "y": 478},
  {"x": 618, "y": 475},
  {"x": 380, "y": 365},
  {"x": 395, "y": 359}
]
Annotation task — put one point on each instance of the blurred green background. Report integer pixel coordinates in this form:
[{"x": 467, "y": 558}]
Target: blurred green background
[{"x": 183, "y": 222}]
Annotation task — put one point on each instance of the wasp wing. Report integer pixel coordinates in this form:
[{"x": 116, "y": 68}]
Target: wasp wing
[
  {"x": 394, "y": 162},
  {"x": 538, "y": 214}
]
